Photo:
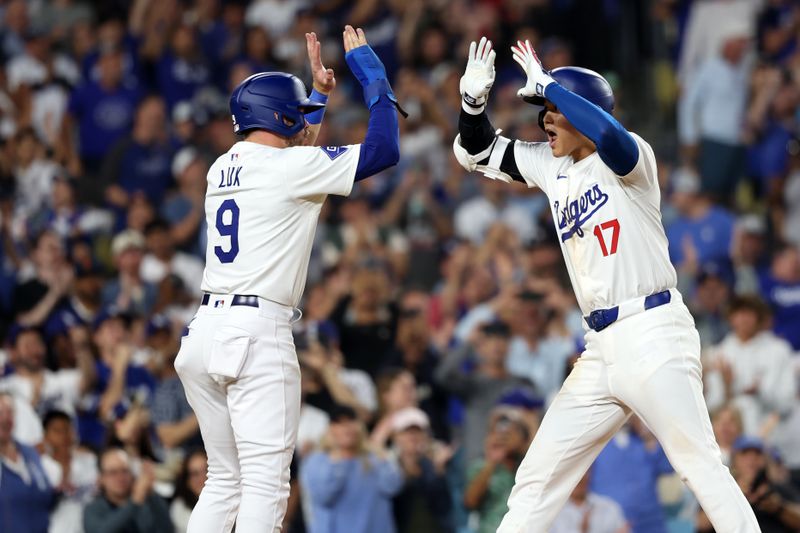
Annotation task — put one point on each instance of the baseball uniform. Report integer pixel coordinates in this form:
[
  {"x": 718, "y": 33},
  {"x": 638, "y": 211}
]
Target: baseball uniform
[
  {"x": 237, "y": 362},
  {"x": 642, "y": 350}
]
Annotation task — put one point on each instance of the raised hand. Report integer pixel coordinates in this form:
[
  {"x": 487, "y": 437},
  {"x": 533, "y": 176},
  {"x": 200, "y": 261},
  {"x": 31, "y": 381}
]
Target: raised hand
[
  {"x": 324, "y": 80},
  {"x": 538, "y": 78},
  {"x": 478, "y": 77},
  {"x": 353, "y": 38}
]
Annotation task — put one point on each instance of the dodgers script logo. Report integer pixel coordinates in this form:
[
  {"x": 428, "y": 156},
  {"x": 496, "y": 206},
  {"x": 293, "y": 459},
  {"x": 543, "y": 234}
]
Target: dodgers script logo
[{"x": 574, "y": 214}]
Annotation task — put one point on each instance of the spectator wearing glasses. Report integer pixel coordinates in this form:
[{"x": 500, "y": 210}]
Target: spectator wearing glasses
[{"x": 126, "y": 502}]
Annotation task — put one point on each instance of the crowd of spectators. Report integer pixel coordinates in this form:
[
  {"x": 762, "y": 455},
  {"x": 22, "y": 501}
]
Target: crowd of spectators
[{"x": 438, "y": 321}]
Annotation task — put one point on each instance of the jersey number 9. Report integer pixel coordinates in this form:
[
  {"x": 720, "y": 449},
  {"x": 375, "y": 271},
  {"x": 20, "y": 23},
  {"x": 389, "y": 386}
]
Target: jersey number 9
[{"x": 229, "y": 229}]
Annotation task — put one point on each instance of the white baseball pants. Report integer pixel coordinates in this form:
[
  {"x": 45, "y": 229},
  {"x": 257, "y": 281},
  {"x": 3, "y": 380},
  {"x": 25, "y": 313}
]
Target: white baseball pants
[
  {"x": 240, "y": 373},
  {"x": 648, "y": 364}
]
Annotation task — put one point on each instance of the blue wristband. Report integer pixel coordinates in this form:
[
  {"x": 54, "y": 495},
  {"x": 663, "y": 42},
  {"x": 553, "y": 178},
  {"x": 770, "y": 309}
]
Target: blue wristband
[{"x": 315, "y": 117}]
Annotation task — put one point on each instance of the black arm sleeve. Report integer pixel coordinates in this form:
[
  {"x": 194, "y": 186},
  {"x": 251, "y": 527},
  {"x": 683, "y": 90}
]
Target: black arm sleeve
[{"x": 477, "y": 134}]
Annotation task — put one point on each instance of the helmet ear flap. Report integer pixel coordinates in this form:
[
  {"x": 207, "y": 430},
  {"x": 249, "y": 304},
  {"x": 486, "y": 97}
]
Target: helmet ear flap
[{"x": 541, "y": 118}]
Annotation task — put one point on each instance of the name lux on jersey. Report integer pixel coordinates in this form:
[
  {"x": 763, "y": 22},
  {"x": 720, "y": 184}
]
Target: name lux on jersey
[{"x": 229, "y": 178}]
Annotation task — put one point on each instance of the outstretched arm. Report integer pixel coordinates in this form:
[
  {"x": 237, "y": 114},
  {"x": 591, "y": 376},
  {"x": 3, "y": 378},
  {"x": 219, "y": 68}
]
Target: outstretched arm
[
  {"x": 381, "y": 146},
  {"x": 324, "y": 83},
  {"x": 616, "y": 147},
  {"x": 477, "y": 146}
]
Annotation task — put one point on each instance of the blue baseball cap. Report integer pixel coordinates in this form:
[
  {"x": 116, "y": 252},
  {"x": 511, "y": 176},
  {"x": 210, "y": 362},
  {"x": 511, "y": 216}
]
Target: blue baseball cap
[
  {"x": 109, "y": 313},
  {"x": 746, "y": 442},
  {"x": 158, "y": 323},
  {"x": 521, "y": 397}
]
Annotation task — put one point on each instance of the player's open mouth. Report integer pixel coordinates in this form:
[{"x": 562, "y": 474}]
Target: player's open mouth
[{"x": 551, "y": 137}]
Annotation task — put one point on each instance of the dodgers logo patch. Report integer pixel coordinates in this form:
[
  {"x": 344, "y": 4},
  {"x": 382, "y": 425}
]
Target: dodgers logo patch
[
  {"x": 333, "y": 151},
  {"x": 575, "y": 213}
]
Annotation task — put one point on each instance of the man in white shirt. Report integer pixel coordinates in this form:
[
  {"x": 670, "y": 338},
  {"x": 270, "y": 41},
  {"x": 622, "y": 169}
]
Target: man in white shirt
[
  {"x": 587, "y": 512},
  {"x": 162, "y": 259},
  {"x": 71, "y": 470},
  {"x": 711, "y": 114},
  {"x": 42, "y": 388},
  {"x": 751, "y": 368}
]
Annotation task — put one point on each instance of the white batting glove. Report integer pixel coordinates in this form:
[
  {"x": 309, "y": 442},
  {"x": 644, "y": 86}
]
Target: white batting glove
[
  {"x": 478, "y": 77},
  {"x": 538, "y": 78}
]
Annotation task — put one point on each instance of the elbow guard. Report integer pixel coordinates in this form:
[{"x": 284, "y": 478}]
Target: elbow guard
[{"x": 487, "y": 161}]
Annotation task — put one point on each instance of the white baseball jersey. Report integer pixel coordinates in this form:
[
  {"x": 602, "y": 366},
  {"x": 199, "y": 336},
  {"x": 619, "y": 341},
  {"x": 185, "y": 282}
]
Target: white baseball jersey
[
  {"x": 262, "y": 206},
  {"x": 609, "y": 226}
]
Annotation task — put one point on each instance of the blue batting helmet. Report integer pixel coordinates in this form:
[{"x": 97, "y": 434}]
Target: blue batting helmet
[
  {"x": 272, "y": 101},
  {"x": 581, "y": 81},
  {"x": 584, "y": 82}
]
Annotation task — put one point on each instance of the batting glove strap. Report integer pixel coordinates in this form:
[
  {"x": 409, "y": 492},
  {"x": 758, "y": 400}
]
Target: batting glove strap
[
  {"x": 472, "y": 105},
  {"x": 378, "y": 88},
  {"x": 315, "y": 117}
]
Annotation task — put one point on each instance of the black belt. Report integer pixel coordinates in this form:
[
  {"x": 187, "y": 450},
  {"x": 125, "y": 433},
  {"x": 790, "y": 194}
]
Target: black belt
[
  {"x": 237, "y": 299},
  {"x": 602, "y": 318}
]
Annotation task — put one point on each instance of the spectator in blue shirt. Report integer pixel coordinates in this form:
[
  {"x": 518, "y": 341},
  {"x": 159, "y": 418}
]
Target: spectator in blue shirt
[
  {"x": 128, "y": 292},
  {"x": 220, "y": 32},
  {"x": 181, "y": 71},
  {"x": 120, "y": 382},
  {"x": 184, "y": 208},
  {"x": 771, "y": 119},
  {"x": 117, "y": 33},
  {"x": 349, "y": 488},
  {"x": 781, "y": 288},
  {"x": 26, "y": 497},
  {"x": 702, "y": 232},
  {"x": 627, "y": 471},
  {"x": 103, "y": 109},
  {"x": 709, "y": 302},
  {"x": 142, "y": 162}
]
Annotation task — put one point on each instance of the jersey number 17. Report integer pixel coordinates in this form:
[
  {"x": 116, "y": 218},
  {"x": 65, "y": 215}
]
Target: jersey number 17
[{"x": 613, "y": 225}]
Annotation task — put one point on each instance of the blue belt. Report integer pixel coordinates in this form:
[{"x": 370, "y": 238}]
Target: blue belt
[
  {"x": 602, "y": 318},
  {"x": 238, "y": 299}
]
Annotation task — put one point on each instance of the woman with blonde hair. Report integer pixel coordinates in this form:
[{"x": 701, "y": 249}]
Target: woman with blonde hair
[{"x": 728, "y": 426}]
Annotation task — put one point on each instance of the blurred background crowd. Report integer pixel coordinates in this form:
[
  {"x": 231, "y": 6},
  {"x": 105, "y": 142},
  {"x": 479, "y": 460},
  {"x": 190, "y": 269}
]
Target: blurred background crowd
[{"x": 439, "y": 321}]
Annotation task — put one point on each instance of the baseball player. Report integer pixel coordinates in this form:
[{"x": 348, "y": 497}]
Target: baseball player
[
  {"x": 642, "y": 350},
  {"x": 237, "y": 363}
]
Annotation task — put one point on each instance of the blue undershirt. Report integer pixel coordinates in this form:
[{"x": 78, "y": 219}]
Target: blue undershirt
[{"x": 381, "y": 146}]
